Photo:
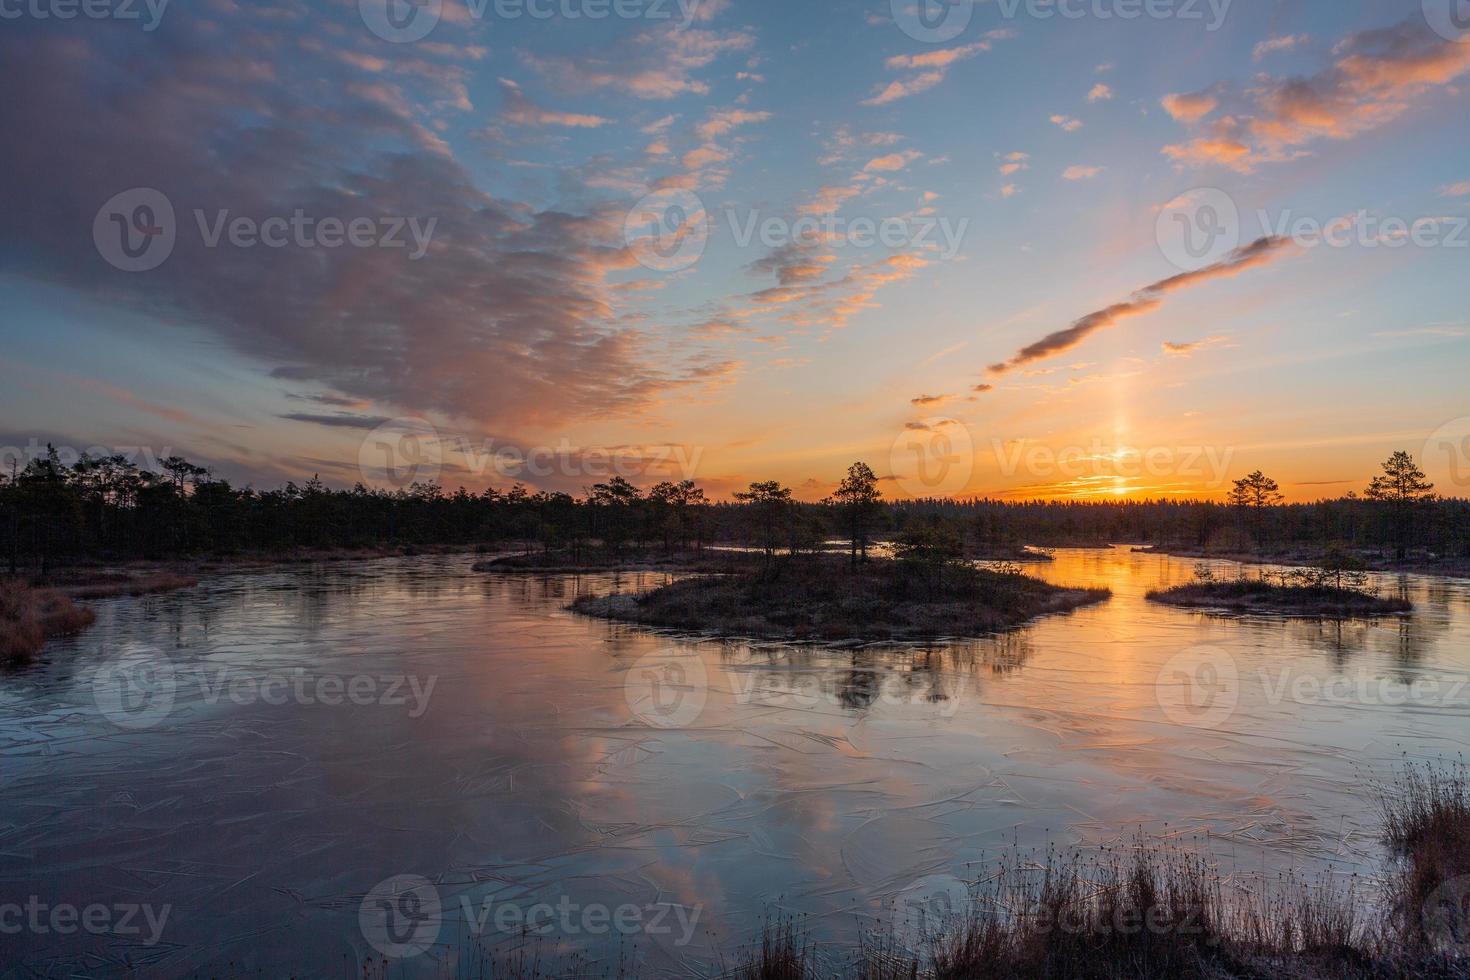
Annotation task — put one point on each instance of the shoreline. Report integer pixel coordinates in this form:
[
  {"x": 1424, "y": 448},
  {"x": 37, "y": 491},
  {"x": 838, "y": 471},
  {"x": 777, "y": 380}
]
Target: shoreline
[
  {"x": 1451, "y": 568},
  {"x": 1254, "y": 596}
]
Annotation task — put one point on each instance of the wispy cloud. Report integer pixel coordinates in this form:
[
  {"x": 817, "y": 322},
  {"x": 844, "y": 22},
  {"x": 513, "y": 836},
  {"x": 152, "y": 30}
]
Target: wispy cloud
[
  {"x": 1376, "y": 76},
  {"x": 1146, "y": 300},
  {"x": 931, "y": 67}
]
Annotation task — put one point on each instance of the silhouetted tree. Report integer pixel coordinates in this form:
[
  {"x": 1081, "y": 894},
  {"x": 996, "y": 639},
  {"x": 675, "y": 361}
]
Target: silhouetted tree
[
  {"x": 1402, "y": 487},
  {"x": 859, "y": 501},
  {"x": 769, "y": 501}
]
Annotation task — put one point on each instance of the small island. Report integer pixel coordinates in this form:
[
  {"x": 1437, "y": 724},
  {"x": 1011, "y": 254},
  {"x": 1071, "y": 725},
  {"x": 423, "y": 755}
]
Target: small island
[
  {"x": 1334, "y": 590},
  {"x": 822, "y": 598}
]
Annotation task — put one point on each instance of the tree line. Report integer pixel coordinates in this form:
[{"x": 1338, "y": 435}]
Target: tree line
[{"x": 106, "y": 508}]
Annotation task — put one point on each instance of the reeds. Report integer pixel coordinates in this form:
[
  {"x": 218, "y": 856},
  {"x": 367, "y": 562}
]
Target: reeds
[{"x": 29, "y": 617}]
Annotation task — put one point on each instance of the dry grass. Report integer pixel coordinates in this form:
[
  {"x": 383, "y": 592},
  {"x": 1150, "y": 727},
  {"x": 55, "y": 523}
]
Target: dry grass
[
  {"x": 130, "y": 585},
  {"x": 1147, "y": 913},
  {"x": 1426, "y": 824},
  {"x": 784, "y": 954},
  {"x": 29, "y": 617}
]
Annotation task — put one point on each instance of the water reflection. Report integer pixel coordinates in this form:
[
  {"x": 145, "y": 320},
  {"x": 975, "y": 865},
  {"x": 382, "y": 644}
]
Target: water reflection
[{"x": 829, "y": 779}]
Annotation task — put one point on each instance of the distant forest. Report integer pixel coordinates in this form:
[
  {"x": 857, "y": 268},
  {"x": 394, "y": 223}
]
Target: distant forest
[{"x": 104, "y": 508}]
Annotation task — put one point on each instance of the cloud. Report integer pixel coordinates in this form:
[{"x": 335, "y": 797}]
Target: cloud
[
  {"x": 518, "y": 110},
  {"x": 1100, "y": 93},
  {"x": 1461, "y": 189},
  {"x": 927, "y": 401},
  {"x": 507, "y": 319},
  {"x": 1009, "y": 190},
  {"x": 932, "y": 67},
  {"x": 341, "y": 420},
  {"x": 1277, "y": 44},
  {"x": 1080, "y": 172},
  {"x": 1068, "y": 124},
  {"x": 1014, "y": 163},
  {"x": 829, "y": 199},
  {"x": 893, "y": 161},
  {"x": 1375, "y": 77},
  {"x": 982, "y": 389},
  {"x": 1146, "y": 300},
  {"x": 1190, "y": 107},
  {"x": 1189, "y": 347},
  {"x": 654, "y": 64}
]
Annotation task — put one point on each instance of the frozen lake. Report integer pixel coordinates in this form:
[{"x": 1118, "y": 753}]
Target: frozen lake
[{"x": 294, "y": 770}]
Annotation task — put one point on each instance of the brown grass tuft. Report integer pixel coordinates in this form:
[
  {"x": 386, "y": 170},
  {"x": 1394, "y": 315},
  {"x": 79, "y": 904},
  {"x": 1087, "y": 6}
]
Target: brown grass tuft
[{"x": 29, "y": 617}]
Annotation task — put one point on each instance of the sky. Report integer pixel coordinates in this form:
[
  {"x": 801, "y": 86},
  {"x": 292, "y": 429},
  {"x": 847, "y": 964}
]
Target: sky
[{"x": 1095, "y": 249}]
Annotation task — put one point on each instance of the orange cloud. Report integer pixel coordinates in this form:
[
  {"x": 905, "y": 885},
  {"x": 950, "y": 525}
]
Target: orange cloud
[{"x": 1376, "y": 77}]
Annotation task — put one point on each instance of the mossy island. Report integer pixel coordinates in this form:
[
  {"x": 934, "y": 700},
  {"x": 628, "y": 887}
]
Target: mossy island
[
  {"x": 817, "y": 598},
  {"x": 1337, "y": 588}
]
